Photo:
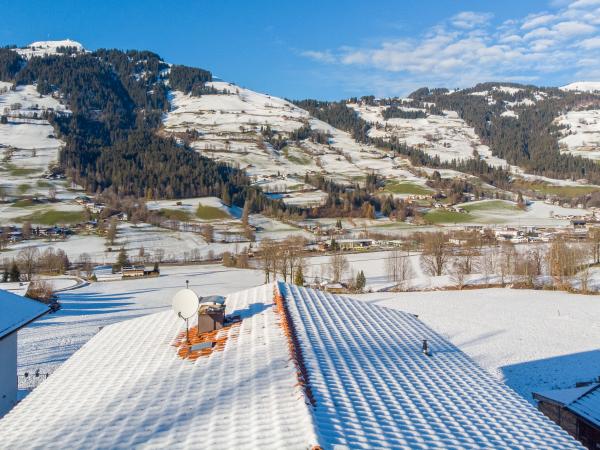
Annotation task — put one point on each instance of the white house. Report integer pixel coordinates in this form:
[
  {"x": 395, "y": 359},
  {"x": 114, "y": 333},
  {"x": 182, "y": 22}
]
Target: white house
[{"x": 15, "y": 313}]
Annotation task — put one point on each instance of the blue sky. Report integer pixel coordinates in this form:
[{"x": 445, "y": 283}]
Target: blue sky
[{"x": 330, "y": 50}]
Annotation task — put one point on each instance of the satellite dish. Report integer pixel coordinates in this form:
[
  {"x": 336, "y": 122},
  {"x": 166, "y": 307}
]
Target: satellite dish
[{"x": 185, "y": 303}]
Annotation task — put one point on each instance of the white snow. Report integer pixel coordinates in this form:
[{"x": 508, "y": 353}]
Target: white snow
[
  {"x": 531, "y": 340},
  {"x": 229, "y": 130},
  {"x": 507, "y": 89},
  {"x": 581, "y": 133},
  {"x": 447, "y": 136},
  {"x": 47, "y": 48},
  {"x": 583, "y": 86},
  {"x": 375, "y": 388},
  {"x": 29, "y": 137},
  {"x": 372, "y": 385},
  {"x": 128, "y": 388},
  {"x": 52, "y": 339}
]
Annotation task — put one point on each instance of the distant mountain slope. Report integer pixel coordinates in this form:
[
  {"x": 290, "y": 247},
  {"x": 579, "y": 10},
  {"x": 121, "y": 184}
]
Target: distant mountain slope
[
  {"x": 583, "y": 86},
  {"x": 140, "y": 126}
]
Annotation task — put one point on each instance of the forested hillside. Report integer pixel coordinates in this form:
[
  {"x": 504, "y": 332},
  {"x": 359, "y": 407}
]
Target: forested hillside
[{"x": 117, "y": 99}]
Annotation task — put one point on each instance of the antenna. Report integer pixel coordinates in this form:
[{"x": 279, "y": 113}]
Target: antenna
[{"x": 185, "y": 304}]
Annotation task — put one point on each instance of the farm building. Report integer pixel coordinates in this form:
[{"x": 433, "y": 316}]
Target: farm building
[
  {"x": 290, "y": 368},
  {"x": 15, "y": 313},
  {"x": 577, "y": 410}
]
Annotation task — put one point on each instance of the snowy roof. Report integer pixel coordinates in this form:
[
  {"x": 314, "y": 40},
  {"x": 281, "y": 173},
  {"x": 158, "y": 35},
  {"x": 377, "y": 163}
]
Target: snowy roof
[
  {"x": 565, "y": 396},
  {"x": 321, "y": 369},
  {"x": 374, "y": 387},
  {"x": 128, "y": 388},
  {"x": 17, "y": 311},
  {"x": 583, "y": 401},
  {"x": 588, "y": 406}
]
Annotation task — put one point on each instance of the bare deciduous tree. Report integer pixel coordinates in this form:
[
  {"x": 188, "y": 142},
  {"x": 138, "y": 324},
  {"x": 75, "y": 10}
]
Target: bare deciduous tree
[
  {"x": 563, "y": 261},
  {"x": 507, "y": 260},
  {"x": 338, "y": 264},
  {"x": 436, "y": 254},
  {"x": 85, "y": 261},
  {"x": 28, "y": 260},
  {"x": 111, "y": 233},
  {"x": 398, "y": 267}
]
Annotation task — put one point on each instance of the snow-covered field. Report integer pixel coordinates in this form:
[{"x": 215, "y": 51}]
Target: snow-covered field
[
  {"x": 28, "y": 145},
  {"x": 228, "y": 128},
  {"x": 447, "y": 136},
  {"x": 581, "y": 133},
  {"x": 532, "y": 340}
]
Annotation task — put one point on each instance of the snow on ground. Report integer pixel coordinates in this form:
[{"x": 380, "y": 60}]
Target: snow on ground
[
  {"x": 46, "y": 48},
  {"x": 531, "y": 340},
  {"x": 28, "y": 145},
  {"x": 176, "y": 245},
  {"x": 190, "y": 205},
  {"x": 537, "y": 213},
  {"x": 583, "y": 86},
  {"x": 447, "y": 136},
  {"x": 228, "y": 129},
  {"x": 48, "y": 342},
  {"x": 581, "y": 133},
  {"x": 11, "y": 214}
]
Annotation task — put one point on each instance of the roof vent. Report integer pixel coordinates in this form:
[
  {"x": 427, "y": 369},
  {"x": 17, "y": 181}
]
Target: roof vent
[{"x": 426, "y": 349}]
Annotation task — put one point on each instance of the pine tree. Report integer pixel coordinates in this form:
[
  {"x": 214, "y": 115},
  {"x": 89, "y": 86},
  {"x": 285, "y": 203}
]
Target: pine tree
[
  {"x": 5, "y": 275},
  {"x": 122, "y": 259},
  {"x": 361, "y": 281},
  {"x": 299, "y": 277},
  {"x": 15, "y": 273}
]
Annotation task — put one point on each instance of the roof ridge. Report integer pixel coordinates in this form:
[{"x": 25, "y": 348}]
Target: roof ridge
[{"x": 294, "y": 346}]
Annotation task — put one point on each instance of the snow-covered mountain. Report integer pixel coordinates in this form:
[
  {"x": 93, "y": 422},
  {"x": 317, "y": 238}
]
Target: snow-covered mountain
[
  {"x": 46, "y": 48},
  {"x": 582, "y": 86}
]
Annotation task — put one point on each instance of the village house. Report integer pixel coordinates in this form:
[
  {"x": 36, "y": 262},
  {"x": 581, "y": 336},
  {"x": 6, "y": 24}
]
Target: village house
[
  {"x": 576, "y": 410},
  {"x": 16, "y": 312},
  {"x": 284, "y": 365}
]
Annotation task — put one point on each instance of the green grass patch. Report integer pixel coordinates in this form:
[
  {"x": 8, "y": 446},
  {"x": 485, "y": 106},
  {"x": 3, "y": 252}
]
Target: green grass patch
[
  {"x": 22, "y": 172},
  {"x": 175, "y": 214},
  {"x": 24, "y": 203},
  {"x": 406, "y": 187},
  {"x": 295, "y": 158},
  {"x": 23, "y": 188},
  {"x": 439, "y": 216},
  {"x": 492, "y": 205},
  {"x": 210, "y": 213},
  {"x": 559, "y": 191},
  {"x": 43, "y": 184},
  {"x": 53, "y": 217}
]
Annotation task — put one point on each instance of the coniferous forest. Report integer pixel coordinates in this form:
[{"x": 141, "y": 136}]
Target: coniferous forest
[{"x": 117, "y": 100}]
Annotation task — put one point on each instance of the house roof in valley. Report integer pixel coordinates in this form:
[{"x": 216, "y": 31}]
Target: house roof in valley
[
  {"x": 301, "y": 368},
  {"x": 583, "y": 401},
  {"x": 17, "y": 311}
]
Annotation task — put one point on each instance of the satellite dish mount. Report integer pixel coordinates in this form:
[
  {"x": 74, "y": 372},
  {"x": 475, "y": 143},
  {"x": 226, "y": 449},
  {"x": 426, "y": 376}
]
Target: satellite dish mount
[{"x": 185, "y": 305}]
